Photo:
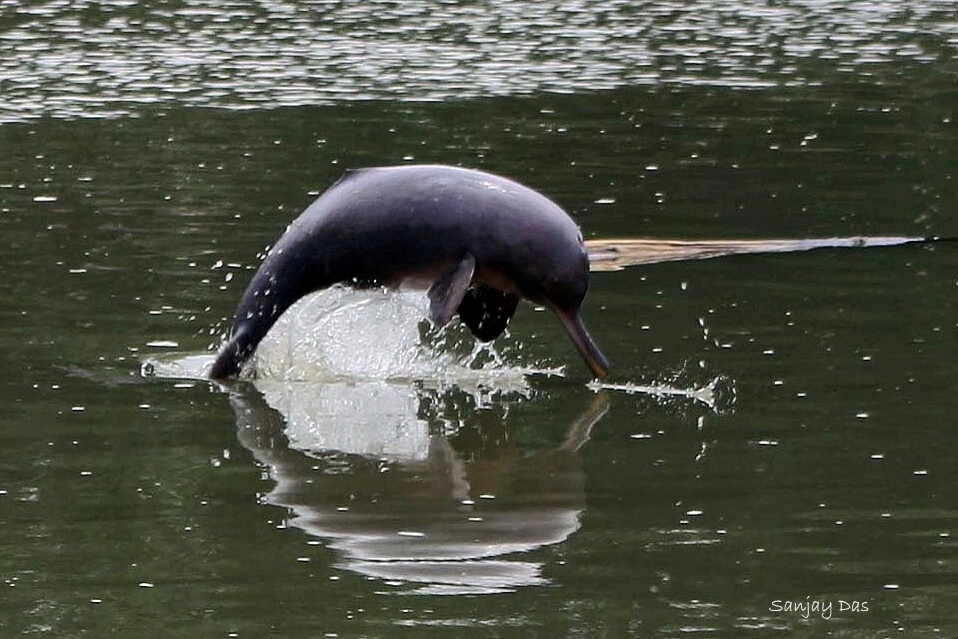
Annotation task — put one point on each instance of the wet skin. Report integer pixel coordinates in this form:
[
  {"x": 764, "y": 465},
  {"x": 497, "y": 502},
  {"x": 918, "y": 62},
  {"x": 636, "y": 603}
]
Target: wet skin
[{"x": 478, "y": 242}]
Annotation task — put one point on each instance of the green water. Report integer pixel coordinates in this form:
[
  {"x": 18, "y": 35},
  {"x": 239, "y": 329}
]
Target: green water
[{"x": 149, "y": 153}]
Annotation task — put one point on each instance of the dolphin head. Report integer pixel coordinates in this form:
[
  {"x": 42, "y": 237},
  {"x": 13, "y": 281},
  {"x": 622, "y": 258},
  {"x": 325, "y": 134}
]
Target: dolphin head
[{"x": 556, "y": 275}]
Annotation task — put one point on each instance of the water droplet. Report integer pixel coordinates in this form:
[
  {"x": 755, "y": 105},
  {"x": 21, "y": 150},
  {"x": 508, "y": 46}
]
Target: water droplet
[{"x": 163, "y": 343}]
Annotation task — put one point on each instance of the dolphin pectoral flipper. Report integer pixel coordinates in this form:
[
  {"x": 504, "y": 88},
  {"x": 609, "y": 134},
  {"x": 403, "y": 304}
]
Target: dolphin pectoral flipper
[
  {"x": 447, "y": 291},
  {"x": 487, "y": 311}
]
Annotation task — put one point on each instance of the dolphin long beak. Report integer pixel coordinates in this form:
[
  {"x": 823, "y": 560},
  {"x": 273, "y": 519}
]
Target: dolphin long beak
[{"x": 587, "y": 348}]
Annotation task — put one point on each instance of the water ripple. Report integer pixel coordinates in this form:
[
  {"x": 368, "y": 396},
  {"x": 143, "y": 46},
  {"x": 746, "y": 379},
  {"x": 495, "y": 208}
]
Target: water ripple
[{"x": 69, "y": 59}]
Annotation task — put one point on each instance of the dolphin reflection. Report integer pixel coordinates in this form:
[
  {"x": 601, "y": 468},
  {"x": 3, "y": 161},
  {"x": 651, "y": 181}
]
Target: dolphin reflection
[{"x": 410, "y": 499}]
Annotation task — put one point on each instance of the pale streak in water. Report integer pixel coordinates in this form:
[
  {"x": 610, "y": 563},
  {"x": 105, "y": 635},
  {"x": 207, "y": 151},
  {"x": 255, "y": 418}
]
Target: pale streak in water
[{"x": 616, "y": 254}]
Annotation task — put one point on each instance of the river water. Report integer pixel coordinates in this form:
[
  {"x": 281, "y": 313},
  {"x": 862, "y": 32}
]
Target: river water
[{"x": 773, "y": 454}]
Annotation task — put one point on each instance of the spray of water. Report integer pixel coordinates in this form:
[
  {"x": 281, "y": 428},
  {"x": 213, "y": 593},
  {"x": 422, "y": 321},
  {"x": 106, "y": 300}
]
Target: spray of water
[
  {"x": 718, "y": 394},
  {"x": 343, "y": 335},
  {"x": 346, "y": 336},
  {"x": 376, "y": 335}
]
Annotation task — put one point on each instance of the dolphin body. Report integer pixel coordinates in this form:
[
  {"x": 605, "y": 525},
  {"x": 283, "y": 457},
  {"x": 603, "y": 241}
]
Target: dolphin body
[{"x": 478, "y": 242}]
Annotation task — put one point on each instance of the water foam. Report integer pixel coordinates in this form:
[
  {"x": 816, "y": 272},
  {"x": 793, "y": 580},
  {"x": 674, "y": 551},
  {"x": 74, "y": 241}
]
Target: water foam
[
  {"x": 718, "y": 394},
  {"x": 343, "y": 335}
]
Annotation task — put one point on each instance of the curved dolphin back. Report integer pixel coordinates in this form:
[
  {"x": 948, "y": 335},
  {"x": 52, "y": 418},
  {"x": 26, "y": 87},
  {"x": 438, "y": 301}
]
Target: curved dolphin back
[{"x": 449, "y": 229}]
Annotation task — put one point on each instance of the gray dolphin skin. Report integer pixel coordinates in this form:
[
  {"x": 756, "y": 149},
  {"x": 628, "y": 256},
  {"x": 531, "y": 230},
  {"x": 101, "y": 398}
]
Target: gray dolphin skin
[{"x": 478, "y": 242}]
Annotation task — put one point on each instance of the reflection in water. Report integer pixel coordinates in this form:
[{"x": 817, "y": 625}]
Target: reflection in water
[
  {"x": 370, "y": 467},
  {"x": 383, "y": 441},
  {"x": 361, "y": 414}
]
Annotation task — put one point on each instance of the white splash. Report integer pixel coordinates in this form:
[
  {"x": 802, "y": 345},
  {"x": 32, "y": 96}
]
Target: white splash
[
  {"x": 375, "y": 335},
  {"x": 718, "y": 395},
  {"x": 343, "y": 335}
]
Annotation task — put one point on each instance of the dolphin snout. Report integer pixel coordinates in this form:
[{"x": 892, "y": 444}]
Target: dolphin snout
[{"x": 593, "y": 357}]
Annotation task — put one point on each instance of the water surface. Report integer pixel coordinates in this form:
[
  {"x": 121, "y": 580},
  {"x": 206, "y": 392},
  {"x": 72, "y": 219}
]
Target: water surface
[{"x": 152, "y": 152}]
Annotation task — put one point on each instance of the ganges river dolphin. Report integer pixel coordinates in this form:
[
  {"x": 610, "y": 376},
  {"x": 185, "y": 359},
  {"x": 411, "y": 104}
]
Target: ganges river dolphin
[{"x": 476, "y": 241}]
